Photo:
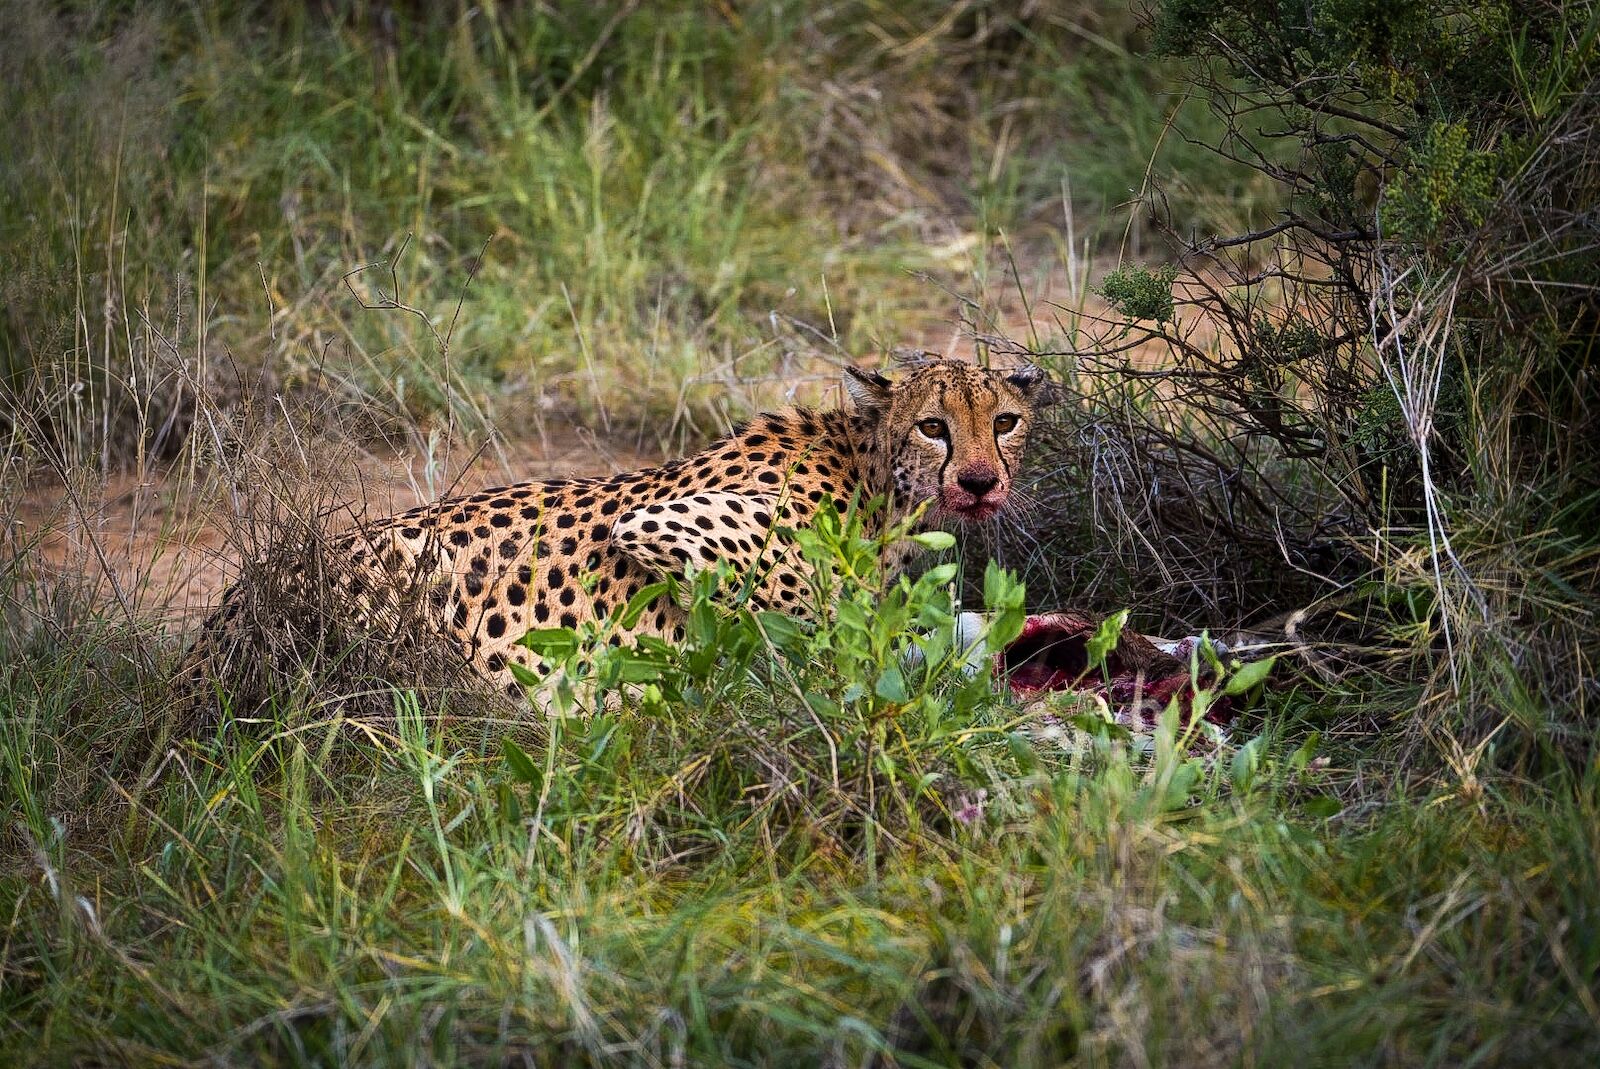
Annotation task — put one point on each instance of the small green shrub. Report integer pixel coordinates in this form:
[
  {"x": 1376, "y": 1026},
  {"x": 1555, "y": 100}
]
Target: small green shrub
[
  {"x": 1445, "y": 178},
  {"x": 1139, "y": 293}
]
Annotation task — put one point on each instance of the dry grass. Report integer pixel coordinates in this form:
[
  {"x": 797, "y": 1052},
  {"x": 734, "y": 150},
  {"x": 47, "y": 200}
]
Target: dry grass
[{"x": 351, "y": 862}]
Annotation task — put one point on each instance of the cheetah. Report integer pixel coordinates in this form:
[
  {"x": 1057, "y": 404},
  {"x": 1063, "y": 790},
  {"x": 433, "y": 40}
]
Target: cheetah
[{"x": 494, "y": 565}]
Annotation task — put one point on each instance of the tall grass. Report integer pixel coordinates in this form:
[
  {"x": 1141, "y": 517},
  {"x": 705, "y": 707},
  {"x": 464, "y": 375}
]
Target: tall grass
[
  {"x": 642, "y": 199},
  {"x": 806, "y": 866},
  {"x": 241, "y": 242},
  {"x": 689, "y": 889}
]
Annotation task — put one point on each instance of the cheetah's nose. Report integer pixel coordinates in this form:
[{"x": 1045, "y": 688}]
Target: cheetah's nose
[{"x": 977, "y": 483}]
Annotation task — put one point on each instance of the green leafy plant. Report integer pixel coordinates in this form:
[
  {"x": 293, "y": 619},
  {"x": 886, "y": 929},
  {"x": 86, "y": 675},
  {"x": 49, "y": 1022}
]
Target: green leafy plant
[
  {"x": 1139, "y": 293},
  {"x": 1445, "y": 177}
]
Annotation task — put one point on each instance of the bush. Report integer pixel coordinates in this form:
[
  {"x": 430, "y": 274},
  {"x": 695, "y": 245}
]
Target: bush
[{"x": 1387, "y": 391}]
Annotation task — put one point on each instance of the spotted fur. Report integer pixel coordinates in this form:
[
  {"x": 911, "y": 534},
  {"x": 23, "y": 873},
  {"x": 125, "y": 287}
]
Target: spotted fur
[{"x": 495, "y": 564}]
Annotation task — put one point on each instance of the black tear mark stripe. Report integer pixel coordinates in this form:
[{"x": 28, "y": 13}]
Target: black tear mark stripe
[{"x": 999, "y": 450}]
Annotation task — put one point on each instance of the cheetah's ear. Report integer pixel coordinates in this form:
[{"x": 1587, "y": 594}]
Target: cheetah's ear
[
  {"x": 868, "y": 389},
  {"x": 1034, "y": 384}
]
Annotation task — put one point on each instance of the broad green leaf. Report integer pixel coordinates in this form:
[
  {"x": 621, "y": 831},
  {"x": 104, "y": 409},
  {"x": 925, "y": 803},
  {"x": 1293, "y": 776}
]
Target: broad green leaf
[
  {"x": 1247, "y": 676},
  {"x": 524, "y": 675},
  {"x": 1243, "y": 767},
  {"x": 1178, "y": 788},
  {"x": 1305, "y": 751},
  {"x": 934, "y": 540},
  {"x": 1105, "y": 638},
  {"x": 633, "y": 668},
  {"x": 552, "y": 643},
  {"x": 510, "y": 804},
  {"x": 891, "y": 685},
  {"x": 1322, "y": 807},
  {"x": 852, "y": 616},
  {"x": 1021, "y": 750},
  {"x": 703, "y": 621},
  {"x": 1098, "y": 726},
  {"x": 639, "y": 603},
  {"x": 1001, "y": 589},
  {"x": 1004, "y": 627},
  {"x": 782, "y": 630},
  {"x": 822, "y": 705},
  {"x": 520, "y": 764}
]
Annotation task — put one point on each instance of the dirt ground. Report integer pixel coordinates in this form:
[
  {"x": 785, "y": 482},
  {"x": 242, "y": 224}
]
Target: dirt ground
[{"x": 155, "y": 547}]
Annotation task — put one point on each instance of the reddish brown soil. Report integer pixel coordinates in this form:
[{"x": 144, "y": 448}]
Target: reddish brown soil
[{"x": 153, "y": 547}]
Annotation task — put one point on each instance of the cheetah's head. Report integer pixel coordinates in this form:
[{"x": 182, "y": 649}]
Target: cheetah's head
[{"x": 950, "y": 433}]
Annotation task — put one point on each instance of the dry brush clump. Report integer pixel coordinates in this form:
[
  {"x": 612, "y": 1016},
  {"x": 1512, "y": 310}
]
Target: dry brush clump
[
  {"x": 107, "y": 537},
  {"x": 1379, "y": 408},
  {"x": 285, "y": 635}
]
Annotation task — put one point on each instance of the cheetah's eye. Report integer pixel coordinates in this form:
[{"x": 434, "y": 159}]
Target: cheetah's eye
[
  {"x": 1005, "y": 424},
  {"x": 932, "y": 428}
]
